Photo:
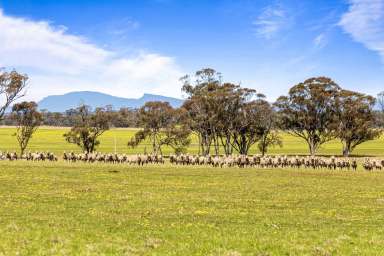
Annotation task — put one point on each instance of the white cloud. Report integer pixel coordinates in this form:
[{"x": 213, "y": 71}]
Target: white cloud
[
  {"x": 58, "y": 62},
  {"x": 364, "y": 21},
  {"x": 320, "y": 41},
  {"x": 271, "y": 21},
  {"x": 122, "y": 27}
]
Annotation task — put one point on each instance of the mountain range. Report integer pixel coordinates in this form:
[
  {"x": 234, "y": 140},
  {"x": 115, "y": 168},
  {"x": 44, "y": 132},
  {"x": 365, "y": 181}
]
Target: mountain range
[{"x": 61, "y": 103}]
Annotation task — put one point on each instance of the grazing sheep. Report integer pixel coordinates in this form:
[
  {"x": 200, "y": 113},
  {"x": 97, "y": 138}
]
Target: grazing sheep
[
  {"x": 241, "y": 161},
  {"x": 316, "y": 163}
]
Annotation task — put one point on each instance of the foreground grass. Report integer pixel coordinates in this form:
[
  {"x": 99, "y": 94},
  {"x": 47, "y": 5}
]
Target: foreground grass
[
  {"x": 51, "y": 139},
  {"x": 80, "y": 209}
]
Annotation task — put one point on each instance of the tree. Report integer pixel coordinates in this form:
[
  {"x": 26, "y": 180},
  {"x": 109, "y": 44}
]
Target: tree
[
  {"x": 248, "y": 127},
  {"x": 229, "y": 100},
  {"x": 88, "y": 127},
  {"x": 270, "y": 136},
  {"x": 269, "y": 139},
  {"x": 160, "y": 125},
  {"x": 12, "y": 86},
  {"x": 223, "y": 113},
  {"x": 309, "y": 111},
  {"x": 28, "y": 119},
  {"x": 178, "y": 138},
  {"x": 201, "y": 105},
  {"x": 356, "y": 119}
]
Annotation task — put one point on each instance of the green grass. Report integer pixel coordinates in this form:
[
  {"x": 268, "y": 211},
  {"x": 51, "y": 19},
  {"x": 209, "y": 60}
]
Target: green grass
[
  {"x": 80, "y": 209},
  {"x": 51, "y": 139}
]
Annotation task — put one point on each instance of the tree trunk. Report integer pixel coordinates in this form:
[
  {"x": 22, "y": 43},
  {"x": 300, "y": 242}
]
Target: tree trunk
[
  {"x": 243, "y": 148},
  {"x": 226, "y": 143},
  {"x": 263, "y": 150},
  {"x": 207, "y": 142},
  {"x": 229, "y": 148},
  {"x": 263, "y": 145},
  {"x": 346, "y": 152},
  {"x": 346, "y": 149},
  {"x": 312, "y": 147},
  {"x": 23, "y": 145},
  {"x": 203, "y": 145},
  {"x": 22, "y": 149},
  {"x": 216, "y": 144},
  {"x": 89, "y": 148}
]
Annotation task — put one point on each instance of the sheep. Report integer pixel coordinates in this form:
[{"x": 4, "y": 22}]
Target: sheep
[
  {"x": 316, "y": 163},
  {"x": 241, "y": 161}
]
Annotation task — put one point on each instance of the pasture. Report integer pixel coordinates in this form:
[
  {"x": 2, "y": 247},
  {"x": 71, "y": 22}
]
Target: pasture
[
  {"x": 51, "y": 139},
  {"x": 72, "y": 209},
  {"x": 62, "y": 208}
]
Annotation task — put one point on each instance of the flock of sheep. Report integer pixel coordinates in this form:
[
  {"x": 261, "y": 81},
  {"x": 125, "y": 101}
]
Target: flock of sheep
[
  {"x": 331, "y": 163},
  {"x": 113, "y": 158},
  {"x": 267, "y": 161},
  {"x": 36, "y": 156},
  {"x": 373, "y": 164}
]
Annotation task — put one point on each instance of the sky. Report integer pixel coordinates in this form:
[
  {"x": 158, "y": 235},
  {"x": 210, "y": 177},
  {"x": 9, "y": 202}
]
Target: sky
[{"x": 127, "y": 48}]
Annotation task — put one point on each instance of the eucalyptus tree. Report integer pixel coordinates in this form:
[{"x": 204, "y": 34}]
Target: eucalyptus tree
[
  {"x": 270, "y": 136},
  {"x": 309, "y": 111},
  {"x": 12, "y": 85},
  {"x": 230, "y": 98},
  {"x": 250, "y": 124},
  {"x": 213, "y": 109},
  {"x": 224, "y": 114},
  {"x": 27, "y": 119},
  {"x": 356, "y": 119},
  {"x": 161, "y": 127},
  {"x": 201, "y": 107},
  {"x": 226, "y": 101},
  {"x": 88, "y": 127}
]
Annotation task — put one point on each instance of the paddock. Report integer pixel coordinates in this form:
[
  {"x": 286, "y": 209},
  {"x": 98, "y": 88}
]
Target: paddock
[{"x": 81, "y": 208}]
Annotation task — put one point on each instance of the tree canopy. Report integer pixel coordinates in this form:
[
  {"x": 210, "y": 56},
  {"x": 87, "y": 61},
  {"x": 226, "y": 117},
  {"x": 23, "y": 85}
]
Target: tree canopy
[
  {"x": 224, "y": 114},
  {"x": 88, "y": 127},
  {"x": 356, "y": 119},
  {"x": 309, "y": 111},
  {"x": 12, "y": 85},
  {"x": 28, "y": 119},
  {"x": 160, "y": 124}
]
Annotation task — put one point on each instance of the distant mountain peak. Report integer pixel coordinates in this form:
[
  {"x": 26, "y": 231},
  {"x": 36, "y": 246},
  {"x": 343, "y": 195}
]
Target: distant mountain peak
[{"x": 61, "y": 103}]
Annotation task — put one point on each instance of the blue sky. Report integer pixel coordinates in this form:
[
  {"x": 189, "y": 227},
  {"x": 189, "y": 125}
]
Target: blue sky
[{"x": 127, "y": 48}]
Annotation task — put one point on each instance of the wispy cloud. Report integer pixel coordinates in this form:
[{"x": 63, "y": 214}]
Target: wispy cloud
[
  {"x": 364, "y": 22},
  {"x": 123, "y": 26},
  {"x": 323, "y": 26},
  {"x": 271, "y": 21},
  {"x": 320, "y": 41},
  {"x": 58, "y": 62}
]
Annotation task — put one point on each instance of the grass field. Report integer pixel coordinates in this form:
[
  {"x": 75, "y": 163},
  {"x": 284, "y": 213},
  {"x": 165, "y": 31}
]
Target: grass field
[
  {"x": 81, "y": 209},
  {"x": 51, "y": 139}
]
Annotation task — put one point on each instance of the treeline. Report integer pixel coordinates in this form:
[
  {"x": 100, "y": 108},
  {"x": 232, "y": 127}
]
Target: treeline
[
  {"x": 122, "y": 118},
  {"x": 226, "y": 118},
  {"x": 230, "y": 118}
]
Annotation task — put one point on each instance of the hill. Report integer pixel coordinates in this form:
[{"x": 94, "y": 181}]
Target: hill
[{"x": 61, "y": 103}]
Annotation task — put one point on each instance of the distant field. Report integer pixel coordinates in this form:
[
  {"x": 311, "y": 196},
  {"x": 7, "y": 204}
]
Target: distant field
[
  {"x": 51, "y": 139},
  {"x": 82, "y": 209}
]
